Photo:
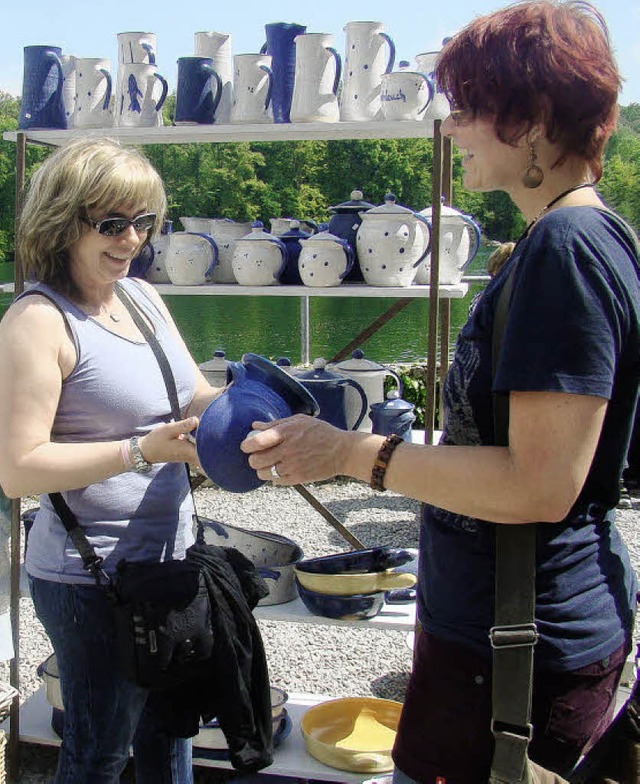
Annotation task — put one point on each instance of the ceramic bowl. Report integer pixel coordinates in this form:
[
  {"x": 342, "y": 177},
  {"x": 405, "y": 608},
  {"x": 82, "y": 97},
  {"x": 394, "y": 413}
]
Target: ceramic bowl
[
  {"x": 275, "y": 556},
  {"x": 353, "y": 584},
  {"x": 357, "y": 607},
  {"x": 375, "y": 559},
  {"x": 352, "y": 733}
]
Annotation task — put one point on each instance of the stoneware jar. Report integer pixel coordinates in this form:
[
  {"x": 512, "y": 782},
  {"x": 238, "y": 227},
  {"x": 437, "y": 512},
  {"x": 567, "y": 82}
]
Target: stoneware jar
[
  {"x": 42, "y": 103},
  {"x": 259, "y": 258},
  {"x": 191, "y": 257},
  {"x": 392, "y": 241},
  {"x": 258, "y": 391},
  {"x": 325, "y": 260}
]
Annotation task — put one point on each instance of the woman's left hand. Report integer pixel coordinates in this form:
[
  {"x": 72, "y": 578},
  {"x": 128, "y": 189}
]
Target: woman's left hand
[{"x": 302, "y": 449}]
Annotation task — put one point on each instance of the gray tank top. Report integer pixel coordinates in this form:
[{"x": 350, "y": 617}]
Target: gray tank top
[{"x": 115, "y": 391}]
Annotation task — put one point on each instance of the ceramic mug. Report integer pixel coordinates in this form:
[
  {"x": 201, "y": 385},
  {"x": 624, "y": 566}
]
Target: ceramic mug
[
  {"x": 42, "y": 104},
  {"x": 405, "y": 95},
  {"x": 93, "y": 93},
  {"x": 137, "y": 48},
  {"x": 217, "y": 46},
  {"x": 199, "y": 91},
  {"x": 253, "y": 88},
  {"x": 141, "y": 94}
]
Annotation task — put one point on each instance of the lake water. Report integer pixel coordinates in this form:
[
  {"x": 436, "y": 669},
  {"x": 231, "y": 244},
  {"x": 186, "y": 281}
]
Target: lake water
[{"x": 270, "y": 326}]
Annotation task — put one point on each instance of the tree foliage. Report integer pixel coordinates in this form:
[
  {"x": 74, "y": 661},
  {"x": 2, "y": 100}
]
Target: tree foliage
[{"x": 249, "y": 181}]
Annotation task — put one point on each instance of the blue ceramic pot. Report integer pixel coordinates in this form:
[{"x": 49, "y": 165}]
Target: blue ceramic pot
[
  {"x": 375, "y": 559},
  {"x": 196, "y": 97},
  {"x": 393, "y": 415},
  {"x": 281, "y": 48},
  {"x": 330, "y": 390},
  {"x": 258, "y": 390},
  {"x": 358, "y": 607},
  {"x": 42, "y": 105}
]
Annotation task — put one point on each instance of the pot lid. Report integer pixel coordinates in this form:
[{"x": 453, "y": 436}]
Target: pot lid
[
  {"x": 318, "y": 372},
  {"x": 356, "y": 204},
  {"x": 217, "y": 362},
  {"x": 394, "y": 402},
  {"x": 390, "y": 207},
  {"x": 445, "y": 211},
  {"x": 359, "y": 363},
  {"x": 294, "y": 232},
  {"x": 257, "y": 233},
  {"x": 324, "y": 235}
]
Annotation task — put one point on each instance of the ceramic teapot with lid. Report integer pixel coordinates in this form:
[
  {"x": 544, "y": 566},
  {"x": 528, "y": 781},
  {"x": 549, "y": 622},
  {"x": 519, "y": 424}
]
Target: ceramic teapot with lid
[
  {"x": 257, "y": 390},
  {"x": 293, "y": 239},
  {"x": 325, "y": 260},
  {"x": 392, "y": 241},
  {"x": 215, "y": 369},
  {"x": 330, "y": 391},
  {"x": 344, "y": 223},
  {"x": 259, "y": 258},
  {"x": 191, "y": 257},
  {"x": 370, "y": 375},
  {"x": 393, "y": 415},
  {"x": 459, "y": 243}
]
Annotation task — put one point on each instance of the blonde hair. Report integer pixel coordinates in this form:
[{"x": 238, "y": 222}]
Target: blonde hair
[{"x": 95, "y": 176}]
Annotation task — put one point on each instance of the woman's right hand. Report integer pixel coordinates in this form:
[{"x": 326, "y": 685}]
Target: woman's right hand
[{"x": 170, "y": 443}]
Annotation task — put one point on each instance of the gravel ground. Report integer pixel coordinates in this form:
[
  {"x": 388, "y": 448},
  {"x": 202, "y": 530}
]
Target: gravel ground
[{"x": 304, "y": 658}]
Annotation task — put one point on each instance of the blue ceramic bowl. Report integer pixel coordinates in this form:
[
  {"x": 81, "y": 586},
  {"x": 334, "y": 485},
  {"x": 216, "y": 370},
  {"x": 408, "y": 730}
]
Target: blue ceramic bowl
[
  {"x": 376, "y": 559},
  {"x": 258, "y": 391},
  {"x": 345, "y": 608}
]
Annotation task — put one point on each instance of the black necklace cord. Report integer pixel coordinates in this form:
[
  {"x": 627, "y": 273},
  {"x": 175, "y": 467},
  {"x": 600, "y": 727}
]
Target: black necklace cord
[{"x": 553, "y": 202}]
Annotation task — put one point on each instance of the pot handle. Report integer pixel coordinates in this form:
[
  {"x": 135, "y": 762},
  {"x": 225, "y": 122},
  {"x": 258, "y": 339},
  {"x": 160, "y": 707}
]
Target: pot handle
[
  {"x": 397, "y": 378},
  {"x": 263, "y": 48},
  {"x": 338, "y": 60},
  {"x": 476, "y": 239},
  {"x": 150, "y": 52},
  {"x": 214, "y": 255},
  {"x": 392, "y": 51},
  {"x": 428, "y": 248},
  {"x": 165, "y": 90},
  {"x": 363, "y": 399},
  {"x": 270, "y": 573},
  {"x": 283, "y": 252},
  {"x": 216, "y": 77},
  {"x": 107, "y": 97},
  {"x": 432, "y": 90},
  {"x": 269, "y": 74},
  {"x": 351, "y": 257}
]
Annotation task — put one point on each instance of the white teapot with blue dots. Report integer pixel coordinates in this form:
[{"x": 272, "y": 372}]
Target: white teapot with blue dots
[{"x": 392, "y": 242}]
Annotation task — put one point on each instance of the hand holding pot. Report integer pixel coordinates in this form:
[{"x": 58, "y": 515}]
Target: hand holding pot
[{"x": 170, "y": 443}]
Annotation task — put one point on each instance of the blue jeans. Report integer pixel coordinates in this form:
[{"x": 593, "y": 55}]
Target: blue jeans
[{"x": 104, "y": 713}]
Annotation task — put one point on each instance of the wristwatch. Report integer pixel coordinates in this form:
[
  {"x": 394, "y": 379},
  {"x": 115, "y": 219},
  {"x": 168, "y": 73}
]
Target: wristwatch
[{"x": 140, "y": 465}]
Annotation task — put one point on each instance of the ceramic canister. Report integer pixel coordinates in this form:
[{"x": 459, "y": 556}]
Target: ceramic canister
[
  {"x": 93, "y": 93},
  {"x": 137, "y": 48},
  {"x": 42, "y": 103},
  {"x": 317, "y": 76},
  {"x": 253, "y": 88},
  {"x": 369, "y": 52},
  {"x": 199, "y": 91},
  {"x": 218, "y": 47},
  {"x": 140, "y": 96}
]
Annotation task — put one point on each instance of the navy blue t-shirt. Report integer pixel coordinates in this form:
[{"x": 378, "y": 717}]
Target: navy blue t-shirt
[{"x": 573, "y": 326}]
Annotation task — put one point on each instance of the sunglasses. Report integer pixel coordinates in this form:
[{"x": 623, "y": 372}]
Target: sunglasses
[{"x": 113, "y": 227}]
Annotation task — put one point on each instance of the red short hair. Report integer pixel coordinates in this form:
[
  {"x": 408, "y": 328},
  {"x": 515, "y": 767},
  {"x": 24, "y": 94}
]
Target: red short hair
[{"x": 538, "y": 61}]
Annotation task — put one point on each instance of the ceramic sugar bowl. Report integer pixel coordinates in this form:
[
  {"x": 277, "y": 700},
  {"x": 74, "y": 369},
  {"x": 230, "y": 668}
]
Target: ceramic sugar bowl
[
  {"x": 191, "y": 257},
  {"x": 325, "y": 260},
  {"x": 259, "y": 258},
  {"x": 392, "y": 241}
]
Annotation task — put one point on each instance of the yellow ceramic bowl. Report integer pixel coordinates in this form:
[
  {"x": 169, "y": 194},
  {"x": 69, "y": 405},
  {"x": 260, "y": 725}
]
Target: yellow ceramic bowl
[
  {"x": 352, "y": 733},
  {"x": 352, "y": 584}
]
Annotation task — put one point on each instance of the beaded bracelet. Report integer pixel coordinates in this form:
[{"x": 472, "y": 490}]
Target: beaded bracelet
[
  {"x": 125, "y": 453},
  {"x": 381, "y": 462}
]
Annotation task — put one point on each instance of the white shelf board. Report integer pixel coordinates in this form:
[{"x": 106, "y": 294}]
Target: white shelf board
[
  {"x": 393, "y": 617},
  {"x": 290, "y": 759},
  {"x": 268, "y": 132},
  {"x": 344, "y": 290}
]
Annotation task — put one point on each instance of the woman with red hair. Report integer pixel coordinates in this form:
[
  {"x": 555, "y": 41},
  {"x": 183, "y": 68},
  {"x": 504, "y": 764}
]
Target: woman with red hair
[{"x": 533, "y": 89}]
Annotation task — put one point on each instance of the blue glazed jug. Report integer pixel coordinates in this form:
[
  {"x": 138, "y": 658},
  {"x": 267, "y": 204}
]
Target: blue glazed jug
[
  {"x": 199, "y": 91},
  {"x": 281, "y": 48},
  {"x": 42, "y": 105},
  {"x": 393, "y": 415},
  {"x": 330, "y": 391},
  {"x": 257, "y": 391}
]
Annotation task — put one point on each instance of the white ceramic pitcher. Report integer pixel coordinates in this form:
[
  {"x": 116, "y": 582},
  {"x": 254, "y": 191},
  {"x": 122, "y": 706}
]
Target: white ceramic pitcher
[
  {"x": 439, "y": 108},
  {"x": 218, "y": 47},
  {"x": 69, "y": 87},
  {"x": 140, "y": 96},
  {"x": 317, "y": 76},
  {"x": 225, "y": 232},
  {"x": 252, "y": 89},
  {"x": 369, "y": 53},
  {"x": 137, "y": 48},
  {"x": 190, "y": 259},
  {"x": 94, "y": 107},
  {"x": 259, "y": 258},
  {"x": 459, "y": 243}
]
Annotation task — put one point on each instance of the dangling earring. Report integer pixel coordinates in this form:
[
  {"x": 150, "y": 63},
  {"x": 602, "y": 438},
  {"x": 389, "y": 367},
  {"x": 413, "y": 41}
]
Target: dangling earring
[{"x": 533, "y": 176}]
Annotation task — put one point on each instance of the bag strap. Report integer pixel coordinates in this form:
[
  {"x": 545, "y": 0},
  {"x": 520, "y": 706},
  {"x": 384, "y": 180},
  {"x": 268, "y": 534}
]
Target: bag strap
[{"x": 514, "y": 633}]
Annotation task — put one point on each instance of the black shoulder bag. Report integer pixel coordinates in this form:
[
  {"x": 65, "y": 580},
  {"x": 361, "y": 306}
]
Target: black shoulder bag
[
  {"x": 162, "y": 611},
  {"x": 616, "y": 756}
]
